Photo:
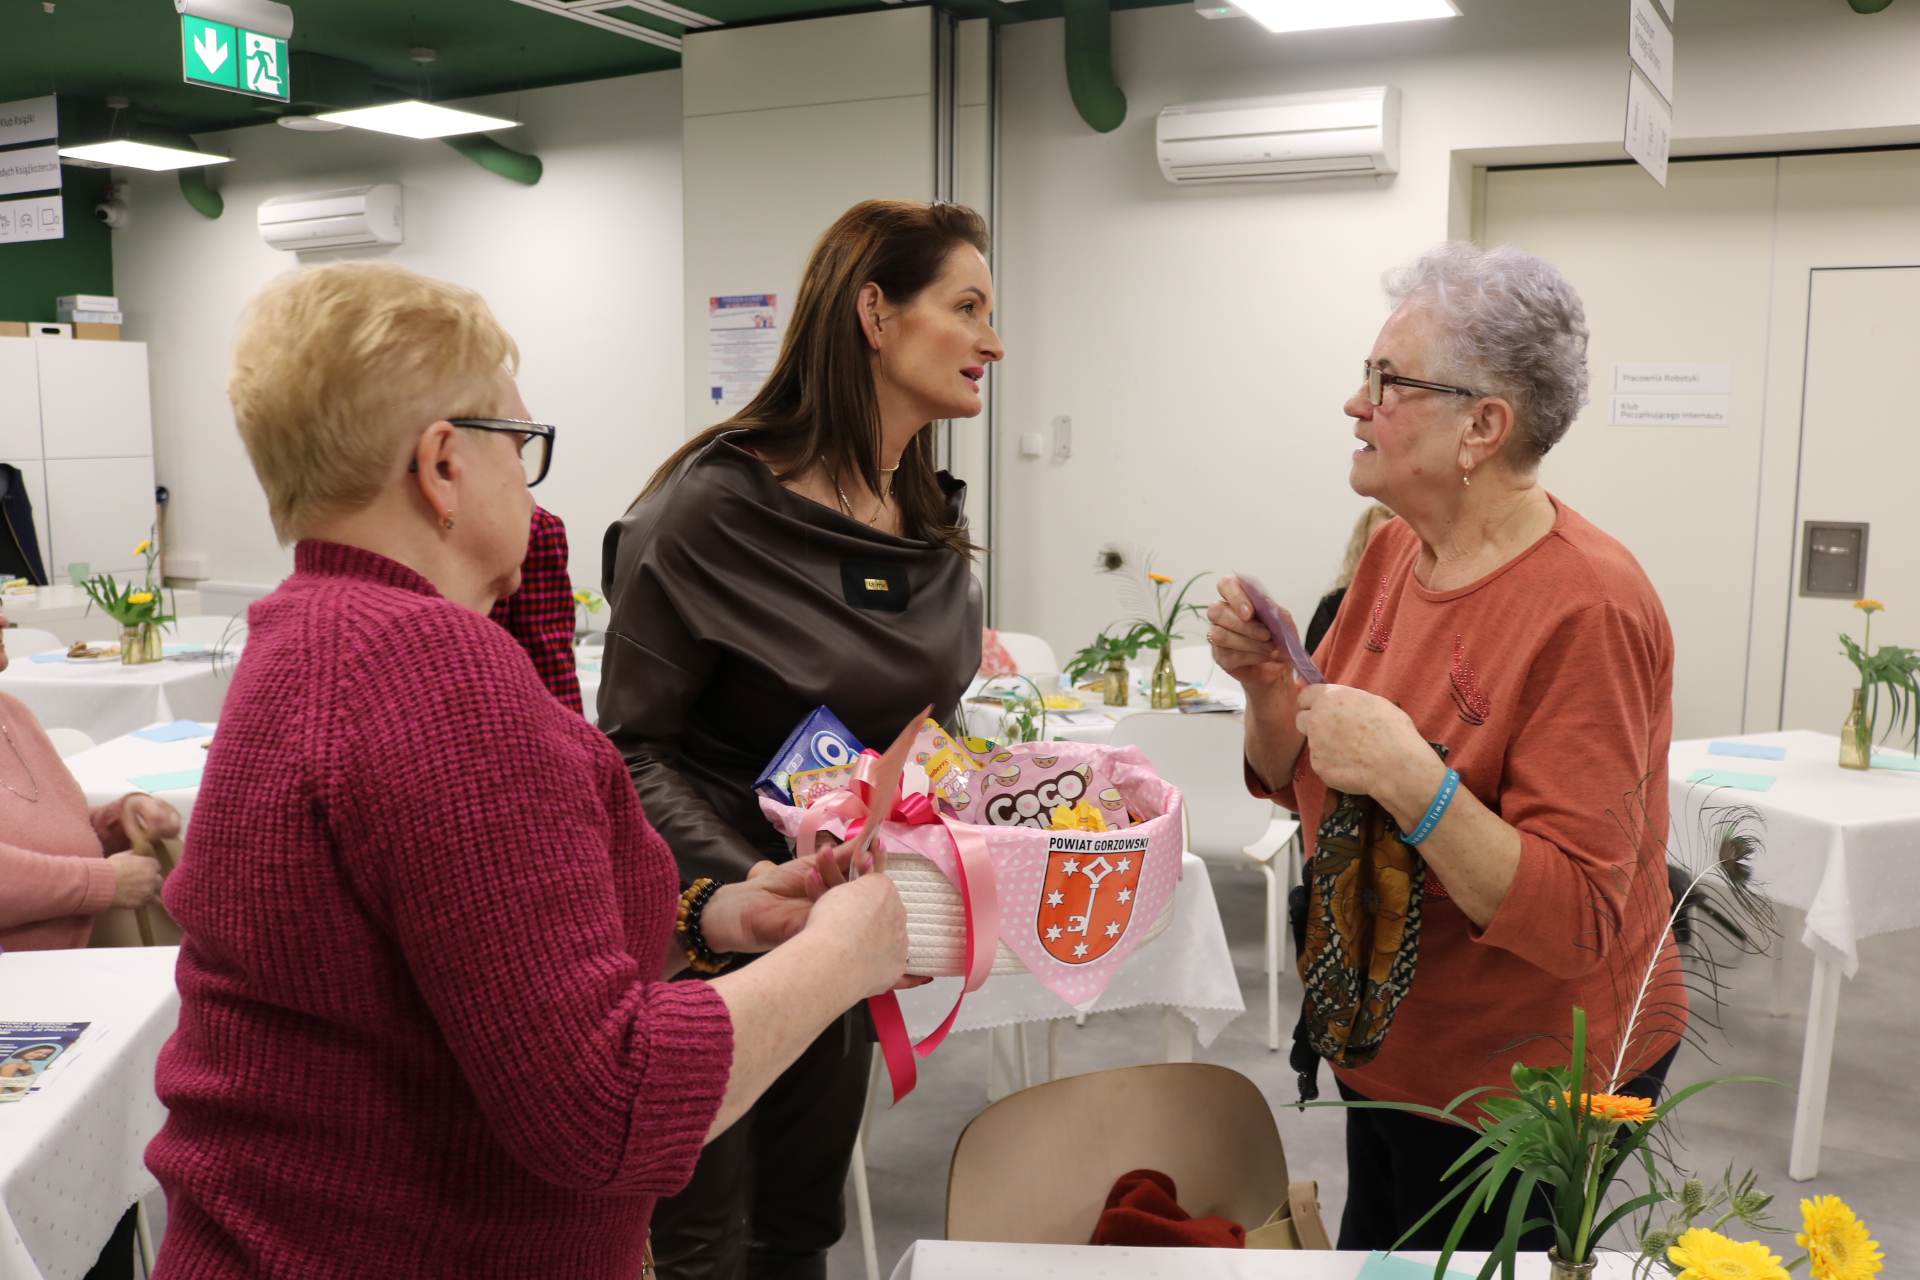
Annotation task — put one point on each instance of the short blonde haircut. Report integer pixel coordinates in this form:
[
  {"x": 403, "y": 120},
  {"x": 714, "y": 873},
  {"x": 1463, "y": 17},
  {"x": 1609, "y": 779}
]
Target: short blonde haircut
[{"x": 335, "y": 364}]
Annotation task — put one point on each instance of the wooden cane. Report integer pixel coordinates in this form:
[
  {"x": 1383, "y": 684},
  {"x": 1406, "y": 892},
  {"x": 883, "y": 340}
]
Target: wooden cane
[{"x": 140, "y": 916}]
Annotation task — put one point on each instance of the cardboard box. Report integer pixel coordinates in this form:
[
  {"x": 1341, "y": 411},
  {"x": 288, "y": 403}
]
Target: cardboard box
[
  {"x": 97, "y": 332},
  {"x": 13, "y": 328}
]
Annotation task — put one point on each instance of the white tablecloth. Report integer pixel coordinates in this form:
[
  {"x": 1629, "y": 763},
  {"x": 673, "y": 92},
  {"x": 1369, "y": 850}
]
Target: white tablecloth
[
  {"x": 1839, "y": 844},
  {"x": 969, "y": 1260},
  {"x": 1186, "y": 968},
  {"x": 105, "y": 699},
  {"x": 72, "y": 1154},
  {"x": 107, "y": 771}
]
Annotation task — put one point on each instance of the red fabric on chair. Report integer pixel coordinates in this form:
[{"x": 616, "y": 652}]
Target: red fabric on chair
[
  {"x": 995, "y": 661},
  {"x": 1142, "y": 1211}
]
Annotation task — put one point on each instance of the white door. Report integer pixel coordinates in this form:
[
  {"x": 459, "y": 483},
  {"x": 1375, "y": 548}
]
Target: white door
[{"x": 1859, "y": 459}]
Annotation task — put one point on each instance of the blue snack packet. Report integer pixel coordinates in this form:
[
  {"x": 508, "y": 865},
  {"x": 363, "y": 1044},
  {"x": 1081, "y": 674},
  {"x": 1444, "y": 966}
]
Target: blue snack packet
[{"x": 820, "y": 742}]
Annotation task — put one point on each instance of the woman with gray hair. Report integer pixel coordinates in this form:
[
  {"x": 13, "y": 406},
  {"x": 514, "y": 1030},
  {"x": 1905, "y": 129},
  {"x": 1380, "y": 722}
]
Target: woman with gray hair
[{"x": 1485, "y": 769}]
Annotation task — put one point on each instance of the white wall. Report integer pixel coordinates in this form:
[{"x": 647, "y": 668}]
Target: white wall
[
  {"x": 583, "y": 269},
  {"x": 1205, "y": 338}
]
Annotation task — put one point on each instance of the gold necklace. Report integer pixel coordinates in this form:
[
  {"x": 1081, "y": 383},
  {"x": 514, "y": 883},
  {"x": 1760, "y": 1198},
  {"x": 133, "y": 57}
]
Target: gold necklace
[
  {"x": 30, "y": 799},
  {"x": 847, "y": 507}
]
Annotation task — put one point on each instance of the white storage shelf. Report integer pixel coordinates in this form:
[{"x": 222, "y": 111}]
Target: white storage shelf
[{"x": 75, "y": 417}]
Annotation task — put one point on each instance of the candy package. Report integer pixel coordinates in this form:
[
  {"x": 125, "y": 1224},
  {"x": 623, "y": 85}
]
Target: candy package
[
  {"x": 812, "y": 756},
  {"x": 1036, "y": 789}
]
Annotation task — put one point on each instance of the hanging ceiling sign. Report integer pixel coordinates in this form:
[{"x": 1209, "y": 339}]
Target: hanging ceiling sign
[
  {"x": 29, "y": 120},
  {"x": 29, "y": 169},
  {"x": 221, "y": 56}
]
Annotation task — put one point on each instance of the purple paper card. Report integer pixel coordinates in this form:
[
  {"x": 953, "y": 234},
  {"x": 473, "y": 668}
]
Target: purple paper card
[{"x": 1276, "y": 622}]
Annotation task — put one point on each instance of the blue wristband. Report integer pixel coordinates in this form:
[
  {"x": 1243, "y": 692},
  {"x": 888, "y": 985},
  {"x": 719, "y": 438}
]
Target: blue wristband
[{"x": 1435, "y": 811}]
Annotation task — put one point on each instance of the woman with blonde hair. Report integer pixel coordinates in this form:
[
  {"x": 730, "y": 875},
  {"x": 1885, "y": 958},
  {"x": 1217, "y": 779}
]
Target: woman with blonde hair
[
  {"x": 804, "y": 553},
  {"x": 424, "y": 1027},
  {"x": 1371, "y": 519}
]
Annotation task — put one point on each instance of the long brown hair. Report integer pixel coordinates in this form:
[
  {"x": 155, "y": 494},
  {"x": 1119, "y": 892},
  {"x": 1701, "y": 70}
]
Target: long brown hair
[{"x": 819, "y": 404}]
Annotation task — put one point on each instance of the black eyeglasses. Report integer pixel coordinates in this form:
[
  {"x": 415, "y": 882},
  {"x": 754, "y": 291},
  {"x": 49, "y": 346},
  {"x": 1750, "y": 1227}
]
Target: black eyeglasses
[
  {"x": 1378, "y": 380},
  {"x": 535, "y": 462}
]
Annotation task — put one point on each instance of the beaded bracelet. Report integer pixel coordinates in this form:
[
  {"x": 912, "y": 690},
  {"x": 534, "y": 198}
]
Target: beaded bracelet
[
  {"x": 701, "y": 957},
  {"x": 1435, "y": 811}
]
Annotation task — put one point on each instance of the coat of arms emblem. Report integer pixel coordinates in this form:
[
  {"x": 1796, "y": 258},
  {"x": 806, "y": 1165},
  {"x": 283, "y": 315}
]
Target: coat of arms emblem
[{"x": 1087, "y": 899}]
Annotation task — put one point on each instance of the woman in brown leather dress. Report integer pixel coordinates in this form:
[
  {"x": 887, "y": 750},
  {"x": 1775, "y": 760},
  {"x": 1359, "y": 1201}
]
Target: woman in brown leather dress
[{"x": 803, "y": 553}]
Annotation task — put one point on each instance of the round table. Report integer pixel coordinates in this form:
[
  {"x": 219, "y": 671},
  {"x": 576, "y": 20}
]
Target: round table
[{"x": 105, "y": 698}]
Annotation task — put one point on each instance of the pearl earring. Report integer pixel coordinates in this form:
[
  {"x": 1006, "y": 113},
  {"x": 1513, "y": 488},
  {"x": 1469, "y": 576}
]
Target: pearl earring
[{"x": 446, "y": 522}]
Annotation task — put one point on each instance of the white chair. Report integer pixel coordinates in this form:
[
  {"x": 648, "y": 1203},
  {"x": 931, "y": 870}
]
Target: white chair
[
  {"x": 69, "y": 742},
  {"x": 22, "y": 641},
  {"x": 1032, "y": 655},
  {"x": 1202, "y": 755},
  {"x": 1193, "y": 664},
  {"x": 210, "y": 629}
]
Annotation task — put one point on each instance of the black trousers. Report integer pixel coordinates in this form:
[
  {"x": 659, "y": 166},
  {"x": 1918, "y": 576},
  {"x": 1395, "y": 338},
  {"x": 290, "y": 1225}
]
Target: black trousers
[
  {"x": 769, "y": 1196},
  {"x": 1394, "y": 1163}
]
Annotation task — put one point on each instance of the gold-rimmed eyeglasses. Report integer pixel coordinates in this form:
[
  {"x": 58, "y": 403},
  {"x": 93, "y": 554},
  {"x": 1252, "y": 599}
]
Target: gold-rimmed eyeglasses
[{"x": 1378, "y": 380}]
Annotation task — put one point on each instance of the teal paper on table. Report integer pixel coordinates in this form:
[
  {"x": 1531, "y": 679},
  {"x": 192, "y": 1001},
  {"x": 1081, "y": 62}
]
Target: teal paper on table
[
  {"x": 1751, "y": 750},
  {"x": 1727, "y": 778},
  {"x": 48, "y": 657},
  {"x": 1384, "y": 1266},
  {"x": 178, "y": 780},
  {"x": 1906, "y": 764},
  {"x": 178, "y": 731}
]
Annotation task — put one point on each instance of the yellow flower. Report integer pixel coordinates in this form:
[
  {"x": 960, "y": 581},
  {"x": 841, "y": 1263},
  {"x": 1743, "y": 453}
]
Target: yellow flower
[
  {"x": 1837, "y": 1241},
  {"x": 1608, "y": 1106},
  {"x": 1161, "y": 578},
  {"x": 1868, "y": 606},
  {"x": 140, "y": 597},
  {"x": 145, "y": 544},
  {"x": 1708, "y": 1255}
]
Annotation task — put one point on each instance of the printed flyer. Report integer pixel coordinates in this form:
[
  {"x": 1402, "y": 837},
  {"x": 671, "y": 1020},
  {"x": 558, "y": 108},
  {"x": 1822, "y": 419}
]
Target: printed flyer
[{"x": 28, "y": 1049}]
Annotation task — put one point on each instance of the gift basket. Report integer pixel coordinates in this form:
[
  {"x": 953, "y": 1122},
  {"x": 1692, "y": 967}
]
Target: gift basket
[{"x": 1055, "y": 858}]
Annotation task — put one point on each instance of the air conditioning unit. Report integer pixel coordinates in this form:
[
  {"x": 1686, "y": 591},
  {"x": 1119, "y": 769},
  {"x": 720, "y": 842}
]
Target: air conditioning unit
[
  {"x": 1341, "y": 132},
  {"x": 345, "y": 219}
]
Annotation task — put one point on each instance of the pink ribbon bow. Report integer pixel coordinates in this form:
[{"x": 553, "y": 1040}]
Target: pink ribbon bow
[{"x": 978, "y": 896}]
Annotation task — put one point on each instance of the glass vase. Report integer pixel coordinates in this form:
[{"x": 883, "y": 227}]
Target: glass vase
[
  {"x": 1166, "y": 689},
  {"x": 1561, "y": 1269},
  {"x": 140, "y": 643},
  {"x": 1114, "y": 682},
  {"x": 1856, "y": 735}
]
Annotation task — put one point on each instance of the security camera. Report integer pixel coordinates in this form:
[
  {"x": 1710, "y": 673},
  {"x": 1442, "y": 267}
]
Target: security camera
[{"x": 114, "y": 213}]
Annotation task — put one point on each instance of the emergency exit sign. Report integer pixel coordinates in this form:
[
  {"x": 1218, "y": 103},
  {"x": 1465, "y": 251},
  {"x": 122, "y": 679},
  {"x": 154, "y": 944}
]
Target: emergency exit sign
[{"x": 233, "y": 58}]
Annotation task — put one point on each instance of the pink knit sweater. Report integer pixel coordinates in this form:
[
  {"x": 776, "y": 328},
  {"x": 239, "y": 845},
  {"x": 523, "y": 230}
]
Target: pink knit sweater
[
  {"x": 422, "y": 1031},
  {"x": 54, "y": 877}
]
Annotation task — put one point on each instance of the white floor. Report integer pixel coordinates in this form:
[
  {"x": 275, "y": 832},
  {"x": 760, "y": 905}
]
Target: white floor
[{"x": 1871, "y": 1157}]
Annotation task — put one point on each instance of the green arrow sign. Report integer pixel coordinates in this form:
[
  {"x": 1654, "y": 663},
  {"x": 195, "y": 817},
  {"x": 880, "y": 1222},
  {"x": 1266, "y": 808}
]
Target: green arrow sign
[{"x": 233, "y": 58}]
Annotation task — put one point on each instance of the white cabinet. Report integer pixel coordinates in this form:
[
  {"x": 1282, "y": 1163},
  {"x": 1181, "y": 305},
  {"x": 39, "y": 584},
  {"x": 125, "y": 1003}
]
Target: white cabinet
[{"x": 75, "y": 417}]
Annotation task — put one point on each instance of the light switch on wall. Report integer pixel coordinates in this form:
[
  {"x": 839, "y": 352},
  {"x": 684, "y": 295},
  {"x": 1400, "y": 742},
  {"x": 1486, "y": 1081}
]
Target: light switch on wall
[{"x": 1031, "y": 446}]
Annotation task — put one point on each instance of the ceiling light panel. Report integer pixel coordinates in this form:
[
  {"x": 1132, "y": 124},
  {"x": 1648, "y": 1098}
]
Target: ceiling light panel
[
  {"x": 1320, "y": 15},
  {"x": 416, "y": 120},
  {"x": 123, "y": 154}
]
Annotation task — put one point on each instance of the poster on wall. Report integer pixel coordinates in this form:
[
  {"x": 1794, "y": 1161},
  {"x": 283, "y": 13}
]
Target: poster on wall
[{"x": 743, "y": 341}]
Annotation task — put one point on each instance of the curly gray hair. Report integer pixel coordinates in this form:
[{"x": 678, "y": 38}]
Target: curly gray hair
[{"x": 1513, "y": 327}]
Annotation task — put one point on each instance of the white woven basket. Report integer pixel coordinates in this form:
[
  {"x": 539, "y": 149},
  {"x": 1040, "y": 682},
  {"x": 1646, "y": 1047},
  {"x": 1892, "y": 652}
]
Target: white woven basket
[{"x": 937, "y": 922}]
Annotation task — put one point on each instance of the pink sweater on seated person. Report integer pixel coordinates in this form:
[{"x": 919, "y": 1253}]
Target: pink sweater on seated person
[
  {"x": 422, "y": 1028},
  {"x": 54, "y": 877}
]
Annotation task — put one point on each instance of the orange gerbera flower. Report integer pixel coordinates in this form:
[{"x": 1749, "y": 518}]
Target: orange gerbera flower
[
  {"x": 1868, "y": 606},
  {"x": 1609, "y": 1106},
  {"x": 1161, "y": 578}
]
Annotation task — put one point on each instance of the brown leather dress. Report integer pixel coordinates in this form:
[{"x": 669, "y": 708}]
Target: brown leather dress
[{"x": 739, "y": 607}]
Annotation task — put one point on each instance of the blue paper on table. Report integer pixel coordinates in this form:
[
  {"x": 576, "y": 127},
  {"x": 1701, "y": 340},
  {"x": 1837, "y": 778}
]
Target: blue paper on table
[
  {"x": 1906, "y": 764},
  {"x": 48, "y": 657},
  {"x": 178, "y": 731},
  {"x": 178, "y": 780},
  {"x": 1384, "y": 1266},
  {"x": 1728, "y": 778},
  {"x": 1751, "y": 750}
]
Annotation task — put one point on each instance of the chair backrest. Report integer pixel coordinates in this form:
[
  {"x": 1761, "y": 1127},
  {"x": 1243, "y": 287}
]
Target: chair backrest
[
  {"x": 1032, "y": 655},
  {"x": 208, "y": 629},
  {"x": 1193, "y": 664},
  {"x": 1036, "y": 1167},
  {"x": 69, "y": 742},
  {"x": 22, "y": 641},
  {"x": 1202, "y": 755}
]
